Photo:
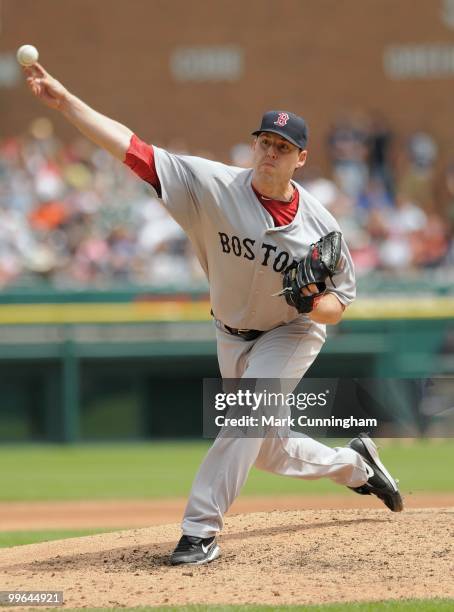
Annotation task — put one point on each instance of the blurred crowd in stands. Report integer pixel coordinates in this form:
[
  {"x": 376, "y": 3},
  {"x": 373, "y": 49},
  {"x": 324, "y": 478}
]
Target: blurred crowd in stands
[
  {"x": 73, "y": 216},
  {"x": 393, "y": 202}
]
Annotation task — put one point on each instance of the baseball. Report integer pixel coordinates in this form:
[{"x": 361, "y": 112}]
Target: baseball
[{"x": 27, "y": 55}]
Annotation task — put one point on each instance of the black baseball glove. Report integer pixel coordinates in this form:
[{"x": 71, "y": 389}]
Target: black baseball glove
[{"x": 318, "y": 265}]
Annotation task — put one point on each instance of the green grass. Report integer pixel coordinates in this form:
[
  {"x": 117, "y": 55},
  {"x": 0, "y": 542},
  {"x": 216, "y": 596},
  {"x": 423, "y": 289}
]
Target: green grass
[
  {"x": 18, "y": 538},
  {"x": 166, "y": 469},
  {"x": 423, "y": 605}
]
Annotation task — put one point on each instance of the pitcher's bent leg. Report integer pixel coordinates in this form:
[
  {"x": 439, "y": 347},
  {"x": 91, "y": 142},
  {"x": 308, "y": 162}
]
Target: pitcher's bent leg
[{"x": 303, "y": 457}]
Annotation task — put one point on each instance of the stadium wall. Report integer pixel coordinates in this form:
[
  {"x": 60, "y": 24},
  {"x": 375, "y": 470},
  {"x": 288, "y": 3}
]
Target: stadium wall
[
  {"x": 167, "y": 72},
  {"x": 132, "y": 366}
]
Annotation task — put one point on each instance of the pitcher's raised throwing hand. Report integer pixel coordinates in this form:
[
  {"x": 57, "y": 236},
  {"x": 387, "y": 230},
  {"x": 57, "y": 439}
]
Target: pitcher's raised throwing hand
[{"x": 50, "y": 91}]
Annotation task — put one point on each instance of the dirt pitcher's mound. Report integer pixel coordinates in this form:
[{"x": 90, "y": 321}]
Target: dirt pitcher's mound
[{"x": 274, "y": 558}]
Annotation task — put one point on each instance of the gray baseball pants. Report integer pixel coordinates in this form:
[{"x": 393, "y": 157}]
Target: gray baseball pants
[{"x": 285, "y": 352}]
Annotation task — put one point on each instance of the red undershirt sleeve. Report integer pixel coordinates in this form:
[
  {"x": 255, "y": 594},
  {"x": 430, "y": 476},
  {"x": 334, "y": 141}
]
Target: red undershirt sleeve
[{"x": 140, "y": 158}]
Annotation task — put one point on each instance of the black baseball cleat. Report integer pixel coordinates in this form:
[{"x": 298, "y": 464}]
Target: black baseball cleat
[
  {"x": 380, "y": 482},
  {"x": 191, "y": 549}
]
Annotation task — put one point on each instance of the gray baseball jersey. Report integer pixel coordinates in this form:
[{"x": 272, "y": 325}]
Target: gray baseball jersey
[
  {"x": 243, "y": 255},
  {"x": 241, "y": 251}
]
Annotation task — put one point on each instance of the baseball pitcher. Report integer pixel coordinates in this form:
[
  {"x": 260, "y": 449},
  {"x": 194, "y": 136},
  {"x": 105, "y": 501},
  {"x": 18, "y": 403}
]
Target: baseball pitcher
[{"x": 257, "y": 234}]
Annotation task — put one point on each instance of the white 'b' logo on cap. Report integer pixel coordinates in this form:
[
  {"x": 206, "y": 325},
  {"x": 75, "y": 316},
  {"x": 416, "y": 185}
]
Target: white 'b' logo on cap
[{"x": 282, "y": 119}]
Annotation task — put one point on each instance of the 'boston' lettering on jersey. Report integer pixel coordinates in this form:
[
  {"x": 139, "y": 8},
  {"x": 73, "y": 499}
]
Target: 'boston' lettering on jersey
[{"x": 242, "y": 248}]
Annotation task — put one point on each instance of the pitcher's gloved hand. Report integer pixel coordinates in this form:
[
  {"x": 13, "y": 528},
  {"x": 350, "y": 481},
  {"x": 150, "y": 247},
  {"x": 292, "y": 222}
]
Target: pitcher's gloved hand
[{"x": 319, "y": 264}]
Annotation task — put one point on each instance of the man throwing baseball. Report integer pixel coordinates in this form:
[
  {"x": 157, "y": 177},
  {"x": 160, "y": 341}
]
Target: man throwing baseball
[{"x": 279, "y": 272}]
